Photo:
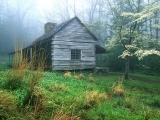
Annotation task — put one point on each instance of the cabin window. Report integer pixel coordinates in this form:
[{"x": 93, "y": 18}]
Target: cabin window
[{"x": 75, "y": 54}]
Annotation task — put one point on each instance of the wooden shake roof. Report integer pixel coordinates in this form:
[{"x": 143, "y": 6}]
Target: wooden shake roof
[{"x": 58, "y": 27}]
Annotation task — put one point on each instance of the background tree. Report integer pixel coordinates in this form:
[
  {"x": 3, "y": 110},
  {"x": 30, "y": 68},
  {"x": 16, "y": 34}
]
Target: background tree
[
  {"x": 17, "y": 22},
  {"x": 128, "y": 30}
]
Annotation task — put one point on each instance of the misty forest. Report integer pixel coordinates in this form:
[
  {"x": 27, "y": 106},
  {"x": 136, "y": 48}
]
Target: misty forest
[{"x": 79, "y": 59}]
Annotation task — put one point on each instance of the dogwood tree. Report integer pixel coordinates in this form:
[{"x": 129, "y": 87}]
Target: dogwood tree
[{"x": 132, "y": 29}]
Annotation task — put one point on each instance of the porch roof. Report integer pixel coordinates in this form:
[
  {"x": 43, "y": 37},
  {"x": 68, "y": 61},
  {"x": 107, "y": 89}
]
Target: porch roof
[{"x": 100, "y": 50}]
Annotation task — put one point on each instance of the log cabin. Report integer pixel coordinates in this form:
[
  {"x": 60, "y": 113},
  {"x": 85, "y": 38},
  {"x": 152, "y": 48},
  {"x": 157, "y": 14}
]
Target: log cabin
[{"x": 68, "y": 46}]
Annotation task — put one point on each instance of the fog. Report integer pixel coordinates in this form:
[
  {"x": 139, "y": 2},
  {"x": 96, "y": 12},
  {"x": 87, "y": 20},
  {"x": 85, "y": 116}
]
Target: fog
[{"x": 22, "y": 20}]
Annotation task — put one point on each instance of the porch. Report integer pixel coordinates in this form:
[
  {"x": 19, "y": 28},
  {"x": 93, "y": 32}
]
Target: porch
[{"x": 101, "y": 60}]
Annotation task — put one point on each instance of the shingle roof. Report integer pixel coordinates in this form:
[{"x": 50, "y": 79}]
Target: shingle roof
[
  {"x": 57, "y": 28},
  {"x": 53, "y": 31}
]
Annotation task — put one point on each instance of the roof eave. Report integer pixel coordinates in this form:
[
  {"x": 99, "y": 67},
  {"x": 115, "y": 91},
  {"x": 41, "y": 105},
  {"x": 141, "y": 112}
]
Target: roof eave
[{"x": 100, "y": 50}]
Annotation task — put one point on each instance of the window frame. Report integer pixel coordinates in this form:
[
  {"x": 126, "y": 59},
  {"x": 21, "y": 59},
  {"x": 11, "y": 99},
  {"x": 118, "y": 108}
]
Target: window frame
[{"x": 76, "y": 54}]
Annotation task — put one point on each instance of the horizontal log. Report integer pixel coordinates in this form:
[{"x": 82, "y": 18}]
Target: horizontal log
[
  {"x": 73, "y": 63},
  {"x": 79, "y": 40},
  {"x": 72, "y": 67},
  {"x": 89, "y": 47},
  {"x": 74, "y": 36},
  {"x": 73, "y": 43},
  {"x": 88, "y": 59}
]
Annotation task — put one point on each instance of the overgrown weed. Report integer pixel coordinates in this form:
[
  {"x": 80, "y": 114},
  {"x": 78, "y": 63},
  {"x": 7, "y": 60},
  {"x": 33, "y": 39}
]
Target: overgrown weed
[
  {"x": 37, "y": 66},
  {"x": 94, "y": 98},
  {"x": 59, "y": 87},
  {"x": 117, "y": 88},
  {"x": 38, "y": 101},
  {"x": 33, "y": 68},
  {"x": 79, "y": 76},
  {"x": 62, "y": 114},
  {"x": 91, "y": 78},
  {"x": 146, "y": 113},
  {"x": 8, "y": 104},
  {"x": 67, "y": 74},
  {"x": 130, "y": 103},
  {"x": 15, "y": 76}
]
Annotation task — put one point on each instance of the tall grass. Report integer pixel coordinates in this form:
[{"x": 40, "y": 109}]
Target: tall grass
[
  {"x": 36, "y": 65},
  {"x": 31, "y": 68},
  {"x": 62, "y": 115},
  {"x": 94, "y": 98},
  {"x": 8, "y": 104},
  {"x": 20, "y": 65},
  {"x": 117, "y": 88}
]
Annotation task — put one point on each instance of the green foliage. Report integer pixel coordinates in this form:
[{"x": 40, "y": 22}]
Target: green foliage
[
  {"x": 10, "y": 81},
  {"x": 149, "y": 65},
  {"x": 134, "y": 32},
  {"x": 156, "y": 102},
  {"x": 13, "y": 84},
  {"x": 114, "y": 63}
]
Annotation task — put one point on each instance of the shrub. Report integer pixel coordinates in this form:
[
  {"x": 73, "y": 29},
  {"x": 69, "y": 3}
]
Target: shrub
[
  {"x": 91, "y": 78},
  {"x": 12, "y": 81},
  {"x": 35, "y": 99},
  {"x": 67, "y": 74},
  {"x": 63, "y": 114},
  {"x": 156, "y": 102},
  {"x": 13, "y": 84},
  {"x": 146, "y": 113},
  {"x": 92, "y": 98},
  {"x": 38, "y": 98},
  {"x": 34, "y": 103},
  {"x": 129, "y": 103},
  {"x": 35, "y": 77},
  {"x": 79, "y": 76},
  {"x": 117, "y": 89},
  {"x": 8, "y": 104}
]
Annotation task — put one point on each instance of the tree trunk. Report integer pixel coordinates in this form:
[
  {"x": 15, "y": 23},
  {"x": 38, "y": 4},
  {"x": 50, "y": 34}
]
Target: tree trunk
[
  {"x": 126, "y": 67},
  {"x": 157, "y": 23}
]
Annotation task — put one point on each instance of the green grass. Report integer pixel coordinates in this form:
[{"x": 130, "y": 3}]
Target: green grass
[
  {"x": 153, "y": 79},
  {"x": 71, "y": 98}
]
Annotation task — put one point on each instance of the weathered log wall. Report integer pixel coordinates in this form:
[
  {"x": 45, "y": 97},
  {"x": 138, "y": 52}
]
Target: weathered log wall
[{"x": 73, "y": 36}]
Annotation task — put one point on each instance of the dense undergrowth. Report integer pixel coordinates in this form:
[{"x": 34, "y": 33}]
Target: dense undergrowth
[{"x": 84, "y": 96}]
